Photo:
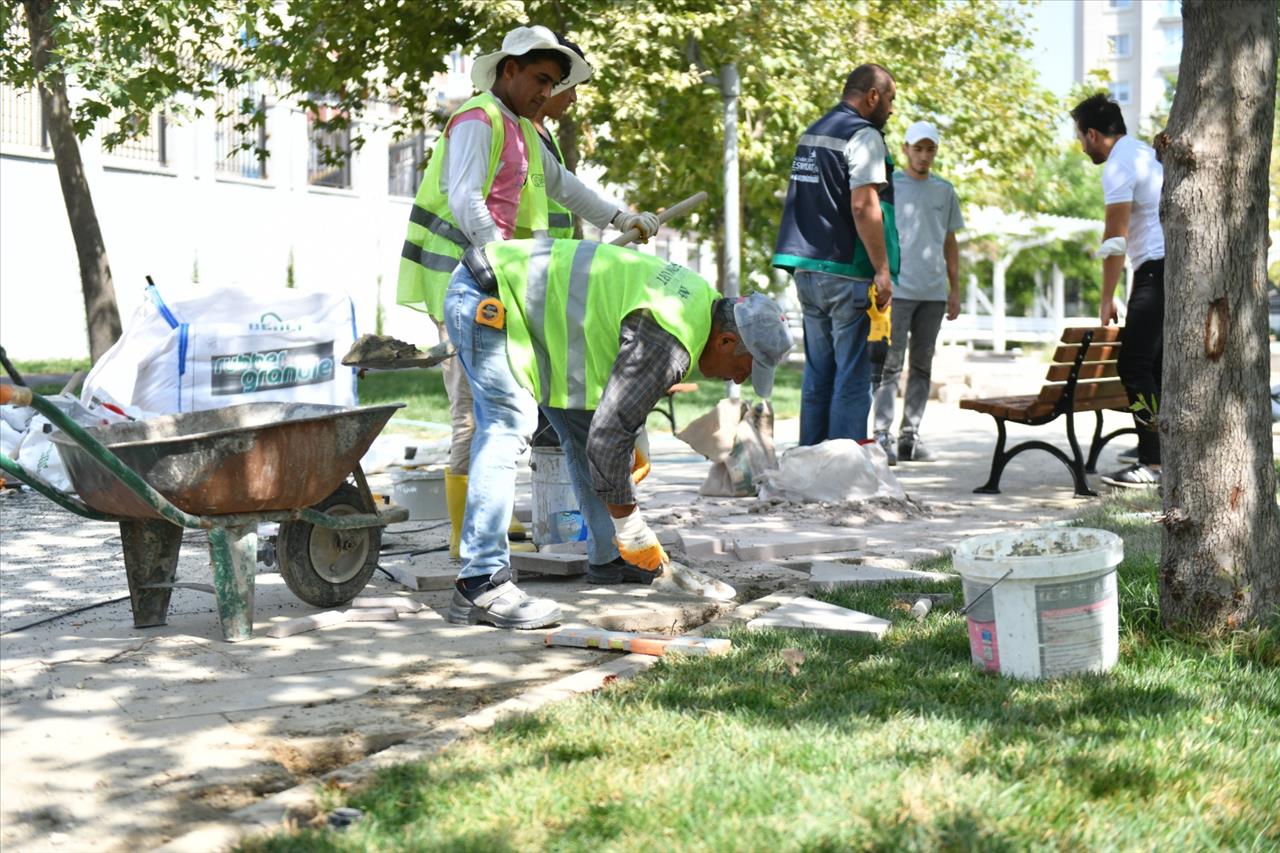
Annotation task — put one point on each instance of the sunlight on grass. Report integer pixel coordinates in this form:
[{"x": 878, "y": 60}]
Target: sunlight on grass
[{"x": 900, "y": 744}]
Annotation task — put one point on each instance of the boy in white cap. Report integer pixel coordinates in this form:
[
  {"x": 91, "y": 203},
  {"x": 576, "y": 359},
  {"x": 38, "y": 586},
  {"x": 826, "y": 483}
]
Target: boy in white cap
[
  {"x": 486, "y": 175},
  {"x": 594, "y": 335},
  {"x": 928, "y": 216}
]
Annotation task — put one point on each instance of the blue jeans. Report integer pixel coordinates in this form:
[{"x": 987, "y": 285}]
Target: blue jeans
[
  {"x": 573, "y": 425},
  {"x": 506, "y": 416},
  {"x": 835, "y": 397}
]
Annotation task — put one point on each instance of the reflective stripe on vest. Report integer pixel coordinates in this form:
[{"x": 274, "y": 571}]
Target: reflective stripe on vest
[
  {"x": 434, "y": 243},
  {"x": 566, "y": 300}
]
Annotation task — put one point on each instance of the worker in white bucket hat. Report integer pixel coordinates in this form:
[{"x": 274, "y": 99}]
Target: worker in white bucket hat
[{"x": 487, "y": 175}]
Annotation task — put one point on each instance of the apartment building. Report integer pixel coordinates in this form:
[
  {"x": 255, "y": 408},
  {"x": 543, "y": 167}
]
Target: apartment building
[{"x": 1138, "y": 43}]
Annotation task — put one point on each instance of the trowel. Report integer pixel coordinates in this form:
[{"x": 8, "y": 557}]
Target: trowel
[{"x": 679, "y": 577}]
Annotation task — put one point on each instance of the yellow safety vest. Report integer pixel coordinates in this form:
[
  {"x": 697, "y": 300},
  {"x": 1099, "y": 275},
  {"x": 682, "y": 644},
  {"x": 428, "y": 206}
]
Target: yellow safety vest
[
  {"x": 565, "y": 302},
  {"x": 434, "y": 243}
]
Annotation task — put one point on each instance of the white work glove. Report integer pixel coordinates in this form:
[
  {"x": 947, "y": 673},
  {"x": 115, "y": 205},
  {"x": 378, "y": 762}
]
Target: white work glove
[
  {"x": 647, "y": 223},
  {"x": 637, "y": 544},
  {"x": 1114, "y": 246}
]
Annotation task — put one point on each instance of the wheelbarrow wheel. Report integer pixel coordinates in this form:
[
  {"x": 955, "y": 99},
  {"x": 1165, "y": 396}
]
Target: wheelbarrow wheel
[{"x": 327, "y": 567}]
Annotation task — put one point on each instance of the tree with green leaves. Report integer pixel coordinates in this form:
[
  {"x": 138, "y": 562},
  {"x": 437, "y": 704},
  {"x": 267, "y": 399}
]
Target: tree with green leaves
[{"x": 123, "y": 62}]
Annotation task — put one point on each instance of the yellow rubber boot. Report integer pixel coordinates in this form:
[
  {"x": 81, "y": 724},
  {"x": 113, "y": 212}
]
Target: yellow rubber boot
[{"x": 455, "y": 498}]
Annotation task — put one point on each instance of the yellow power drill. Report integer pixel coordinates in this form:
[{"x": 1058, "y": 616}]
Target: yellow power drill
[{"x": 881, "y": 323}]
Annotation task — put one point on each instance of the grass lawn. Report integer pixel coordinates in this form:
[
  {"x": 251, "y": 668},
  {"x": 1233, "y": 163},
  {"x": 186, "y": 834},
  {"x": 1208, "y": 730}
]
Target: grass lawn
[
  {"x": 895, "y": 745},
  {"x": 423, "y": 392}
]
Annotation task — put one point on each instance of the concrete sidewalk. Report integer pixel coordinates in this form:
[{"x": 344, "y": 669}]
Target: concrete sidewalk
[{"x": 117, "y": 738}]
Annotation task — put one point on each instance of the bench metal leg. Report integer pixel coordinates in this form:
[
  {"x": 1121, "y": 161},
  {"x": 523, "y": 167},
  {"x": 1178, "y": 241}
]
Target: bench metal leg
[
  {"x": 998, "y": 461},
  {"x": 150, "y": 557},
  {"x": 1076, "y": 462},
  {"x": 1100, "y": 441},
  {"x": 1001, "y": 457},
  {"x": 234, "y": 553}
]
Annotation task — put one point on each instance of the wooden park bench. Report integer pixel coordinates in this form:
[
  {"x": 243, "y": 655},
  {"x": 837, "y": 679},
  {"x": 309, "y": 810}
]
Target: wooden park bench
[{"x": 1082, "y": 378}]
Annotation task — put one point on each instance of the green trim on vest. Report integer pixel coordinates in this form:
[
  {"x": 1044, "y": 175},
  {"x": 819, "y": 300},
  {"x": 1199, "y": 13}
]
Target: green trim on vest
[
  {"x": 566, "y": 300},
  {"x": 434, "y": 243}
]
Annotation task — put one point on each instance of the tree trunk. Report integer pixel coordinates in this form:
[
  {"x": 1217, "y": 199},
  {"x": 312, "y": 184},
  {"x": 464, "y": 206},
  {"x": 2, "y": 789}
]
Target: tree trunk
[
  {"x": 567, "y": 135},
  {"x": 1219, "y": 566},
  {"x": 95, "y": 273}
]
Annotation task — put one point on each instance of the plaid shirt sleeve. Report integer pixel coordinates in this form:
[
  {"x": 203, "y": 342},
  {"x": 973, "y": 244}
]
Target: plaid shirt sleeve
[{"x": 650, "y": 360}]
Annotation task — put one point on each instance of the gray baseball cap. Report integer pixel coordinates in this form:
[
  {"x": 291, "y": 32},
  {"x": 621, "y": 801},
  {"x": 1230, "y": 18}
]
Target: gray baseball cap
[{"x": 763, "y": 328}]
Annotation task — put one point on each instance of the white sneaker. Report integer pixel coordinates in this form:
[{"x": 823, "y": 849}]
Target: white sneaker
[
  {"x": 503, "y": 606},
  {"x": 1137, "y": 476}
]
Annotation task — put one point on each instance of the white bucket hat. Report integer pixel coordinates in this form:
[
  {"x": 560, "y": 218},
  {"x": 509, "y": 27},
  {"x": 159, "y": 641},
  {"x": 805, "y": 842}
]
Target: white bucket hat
[{"x": 518, "y": 42}]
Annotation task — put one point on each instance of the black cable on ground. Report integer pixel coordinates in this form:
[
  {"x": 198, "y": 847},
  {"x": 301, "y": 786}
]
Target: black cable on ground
[{"x": 65, "y": 613}]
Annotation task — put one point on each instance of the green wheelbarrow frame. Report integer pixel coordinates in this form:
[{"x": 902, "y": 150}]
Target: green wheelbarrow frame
[{"x": 151, "y": 546}]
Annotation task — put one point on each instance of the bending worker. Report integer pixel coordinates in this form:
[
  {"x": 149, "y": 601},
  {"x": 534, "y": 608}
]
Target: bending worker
[
  {"x": 487, "y": 174},
  {"x": 595, "y": 335}
]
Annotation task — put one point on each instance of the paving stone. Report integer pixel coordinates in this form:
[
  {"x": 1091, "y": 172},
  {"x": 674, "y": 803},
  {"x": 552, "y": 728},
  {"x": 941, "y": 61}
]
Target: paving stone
[
  {"x": 812, "y": 615},
  {"x": 422, "y": 580},
  {"x": 289, "y": 627},
  {"x": 827, "y": 577},
  {"x": 797, "y": 544},
  {"x": 544, "y": 563},
  {"x": 395, "y": 602},
  {"x": 365, "y": 613},
  {"x": 700, "y": 544}
]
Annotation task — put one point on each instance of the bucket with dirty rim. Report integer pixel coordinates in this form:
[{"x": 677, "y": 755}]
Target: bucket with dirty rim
[
  {"x": 1042, "y": 602},
  {"x": 556, "y": 515}
]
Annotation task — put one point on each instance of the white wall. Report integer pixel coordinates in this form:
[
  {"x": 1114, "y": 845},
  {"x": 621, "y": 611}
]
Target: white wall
[{"x": 160, "y": 220}]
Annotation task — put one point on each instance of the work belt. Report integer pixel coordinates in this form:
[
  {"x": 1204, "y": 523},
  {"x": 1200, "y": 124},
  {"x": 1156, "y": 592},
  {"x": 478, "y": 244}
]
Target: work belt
[{"x": 478, "y": 265}]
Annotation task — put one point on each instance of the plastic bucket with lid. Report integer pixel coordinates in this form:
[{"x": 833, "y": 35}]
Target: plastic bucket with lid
[
  {"x": 1052, "y": 610},
  {"x": 556, "y": 515}
]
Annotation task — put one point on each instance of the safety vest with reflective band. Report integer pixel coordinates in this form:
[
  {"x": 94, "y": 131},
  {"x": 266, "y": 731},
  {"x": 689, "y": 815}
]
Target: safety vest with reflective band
[
  {"x": 565, "y": 302},
  {"x": 817, "y": 230},
  {"x": 559, "y": 217},
  {"x": 435, "y": 243}
]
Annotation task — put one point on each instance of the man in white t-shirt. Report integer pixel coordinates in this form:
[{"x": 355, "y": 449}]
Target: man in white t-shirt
[
  {"x": 928, "y": 217},
  {"x": 1132, "y": 179}
]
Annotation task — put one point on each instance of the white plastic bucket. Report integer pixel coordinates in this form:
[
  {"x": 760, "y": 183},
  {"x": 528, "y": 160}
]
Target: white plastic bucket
[
  {"x": 1055, "y": 613},
  {"x": 556, "y": 515},
  {"x": 422, "y": 493}
]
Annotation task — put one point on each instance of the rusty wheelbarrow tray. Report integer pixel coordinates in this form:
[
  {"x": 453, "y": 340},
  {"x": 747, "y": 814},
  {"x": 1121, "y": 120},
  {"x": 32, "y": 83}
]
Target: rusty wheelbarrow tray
[{"x": 226, "y": 471}]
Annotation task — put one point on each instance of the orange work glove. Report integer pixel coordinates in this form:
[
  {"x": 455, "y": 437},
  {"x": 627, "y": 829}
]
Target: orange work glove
[
  {"x": 640, "y": 466},
  {"x": 637, "y": 544}
]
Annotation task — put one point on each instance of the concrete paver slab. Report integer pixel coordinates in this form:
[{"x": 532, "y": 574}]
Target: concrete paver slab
[
  {"x": 809, "y": 614},
  {"x": 829, "y": 577}
]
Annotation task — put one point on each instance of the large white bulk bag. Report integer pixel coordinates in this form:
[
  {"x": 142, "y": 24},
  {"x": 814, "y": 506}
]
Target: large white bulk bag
[{"x": 228, "y": 346}]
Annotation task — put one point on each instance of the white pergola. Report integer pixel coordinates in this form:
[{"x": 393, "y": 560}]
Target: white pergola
[{"x": 1012, "y": 233}]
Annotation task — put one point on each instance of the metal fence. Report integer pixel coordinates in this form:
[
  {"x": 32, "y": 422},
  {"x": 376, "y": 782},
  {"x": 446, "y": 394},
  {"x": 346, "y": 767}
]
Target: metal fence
[
  {"x": 241, "y": 147},
  {"x": 404, "y": 165},
  {"x": 149, "y": 146},
  {"x": 22, "y": 118},
  {"x": 330, "y": 162}
]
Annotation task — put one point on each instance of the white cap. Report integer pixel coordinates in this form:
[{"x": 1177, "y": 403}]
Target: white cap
[
  {"x": 518, "y": 42},
  {"x": 922, "y": 130}
]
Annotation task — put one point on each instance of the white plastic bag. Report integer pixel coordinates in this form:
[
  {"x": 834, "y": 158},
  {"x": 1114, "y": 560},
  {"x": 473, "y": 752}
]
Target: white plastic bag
[
  {"x": 227, "y": 346},
  {"x": 835, "y": 471}
]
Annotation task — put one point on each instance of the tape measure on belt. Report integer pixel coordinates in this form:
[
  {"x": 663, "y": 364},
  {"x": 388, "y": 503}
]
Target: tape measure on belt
[{"x": 491, "y": 313}]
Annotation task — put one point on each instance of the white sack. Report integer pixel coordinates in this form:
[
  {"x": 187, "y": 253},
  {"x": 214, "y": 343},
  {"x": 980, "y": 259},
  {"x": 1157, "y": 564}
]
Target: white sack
[
  {"x": 834, "y": 471},
  {"x": 227, "y": 346}
]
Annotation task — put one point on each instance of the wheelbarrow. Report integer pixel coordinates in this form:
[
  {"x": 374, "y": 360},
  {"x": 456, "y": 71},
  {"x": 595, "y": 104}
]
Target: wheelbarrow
[{"x": 226, "y": 471}]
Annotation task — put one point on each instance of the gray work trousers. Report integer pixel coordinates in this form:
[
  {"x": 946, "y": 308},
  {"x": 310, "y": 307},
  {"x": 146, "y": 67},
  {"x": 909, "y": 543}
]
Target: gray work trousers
[
  {"x": 461, "y": 413},
  {"x": 914, "y": 334}
]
